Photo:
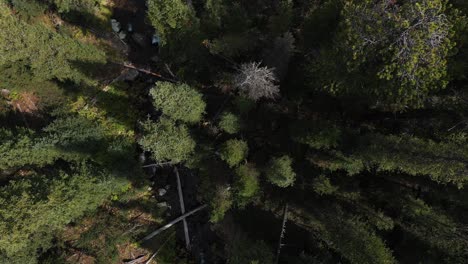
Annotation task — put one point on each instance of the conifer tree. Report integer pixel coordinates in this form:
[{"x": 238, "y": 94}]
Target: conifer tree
[
  {"x": 234, "y": 151},
  {"x": 28, "y": 49},
  {"x": 179, "y": 102},
  {"x": 34, "y": 208},
  {"x": 280, "y": 172},
  {"x": 167, "y": 141}
]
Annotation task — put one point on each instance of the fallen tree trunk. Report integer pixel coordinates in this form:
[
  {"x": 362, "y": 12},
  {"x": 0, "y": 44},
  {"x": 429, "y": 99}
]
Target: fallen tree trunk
[
  {"x": 174, "y": 222},
  {"x": 130, "y": 66},
  {"x": 139, "y": 259},
  {"x": 283, "y": 230},
  {"x": 182, "y": 208},
  {"x": 159, "y": 249}
]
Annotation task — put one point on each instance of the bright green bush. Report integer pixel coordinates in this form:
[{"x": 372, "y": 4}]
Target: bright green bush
[
  {"x": 179, "y": 102},
  {"x": 220, "y": 204},
  {"x": 280, "y": 172},
  {"x": 229, "y": 123},
  {"x": 166, "y": 140},
  {"x": 234, "y": 151},
  {"x": 246, "y": 184},
  {"x": 322, "y": 185}
]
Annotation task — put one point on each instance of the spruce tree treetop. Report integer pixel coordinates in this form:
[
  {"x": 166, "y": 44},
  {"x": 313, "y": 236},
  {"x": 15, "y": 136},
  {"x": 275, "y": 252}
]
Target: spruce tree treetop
[
  {"x": 230, "y": 123},
  {"x": 234, "y": 151},
  {"x": 280, "y": 172},
  {"x": 168, "y": 16},
  {"x": 166, "y": 140},
  {"x": 179, "y": 102}
]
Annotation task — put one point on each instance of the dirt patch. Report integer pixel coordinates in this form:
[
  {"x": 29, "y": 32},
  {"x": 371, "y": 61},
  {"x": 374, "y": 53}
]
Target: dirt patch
[
  {"x": 81, "y": 258},
  {"x": 129, "y": 251}
]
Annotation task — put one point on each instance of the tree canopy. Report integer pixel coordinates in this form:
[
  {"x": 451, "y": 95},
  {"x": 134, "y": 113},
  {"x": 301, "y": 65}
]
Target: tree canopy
[
  {"x": 179, "y": 102},
  {"x": 280, "y": 172},
  {"x": 330, "y": 131},
  {"x": 167, "y": 141}
]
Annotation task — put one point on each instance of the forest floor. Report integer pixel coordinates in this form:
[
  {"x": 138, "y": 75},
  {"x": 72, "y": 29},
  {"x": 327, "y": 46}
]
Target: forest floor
[{"x": 142, "y": 54}]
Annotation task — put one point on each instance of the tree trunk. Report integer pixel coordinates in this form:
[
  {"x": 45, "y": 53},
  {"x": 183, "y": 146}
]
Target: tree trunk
[
  {"x": 283, "y": 230},
  {"x": 182, "y": 209},
  {"x": 174, "y": 222}
]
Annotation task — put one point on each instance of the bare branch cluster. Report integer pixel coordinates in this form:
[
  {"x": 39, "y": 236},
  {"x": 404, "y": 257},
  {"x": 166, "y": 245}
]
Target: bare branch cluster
[{"x": 256, "y": 82}]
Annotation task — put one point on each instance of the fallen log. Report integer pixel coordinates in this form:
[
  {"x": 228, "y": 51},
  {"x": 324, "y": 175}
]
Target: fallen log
[
  {"x": 283, "y": 230},
  {"x": 139, "y": 259},
  {"x": 131, "y": 66},
  {"x": 178, "y": 219},
  {"x": 182, "y": 209}
]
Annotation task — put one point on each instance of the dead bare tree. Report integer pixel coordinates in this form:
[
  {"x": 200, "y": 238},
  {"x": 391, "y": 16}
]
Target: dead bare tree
[{"x": 256, "y": 82}]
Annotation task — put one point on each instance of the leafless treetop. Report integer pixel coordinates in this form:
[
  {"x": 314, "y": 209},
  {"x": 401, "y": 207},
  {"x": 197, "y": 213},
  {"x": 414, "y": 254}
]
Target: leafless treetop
[{"x": 256, "y": 81}]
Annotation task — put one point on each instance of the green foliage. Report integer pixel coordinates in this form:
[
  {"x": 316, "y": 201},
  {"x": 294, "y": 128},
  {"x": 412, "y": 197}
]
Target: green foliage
[
  {"x": 172, "y": 253},
  {"x": 243, "y": 250},
  {"x": 280, "y": 172},
  {"x": 234, "y": 151},
  {"x": 322, "y": 185},
  {"x": 371, "y": 56},
  {"x": 166, "y": 140},
  {"x": 169, "y": 16},
  {"x": 230, "y": 123},
  {"x": 28, "y": 8},
  {"x": 246, "y": 184},
  {"x": 443, "y": 162},
  {"x": 32, "y": 209},
  {"x": 68, "y": 5},
  {"x": 316, "y": 135},
  {"x": 220, "y": 204},
  {"x": 215, "y": 9},
  {"x": 357, "y": 244},
  {"x": 103, "y": 236},
  {"x": 433, "y": 227},
  {"x": 179, "y": 102},
  {"x": 30, "y": 52},
  {"x": 74, "y": 133},
  {"x": 348, "y": 236},
  {"x": 69, "y": 138},
  {"x": 336, "y": 160},
  {"x": 402, "y": 48},
  {"x": 20, "y": 148}
]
